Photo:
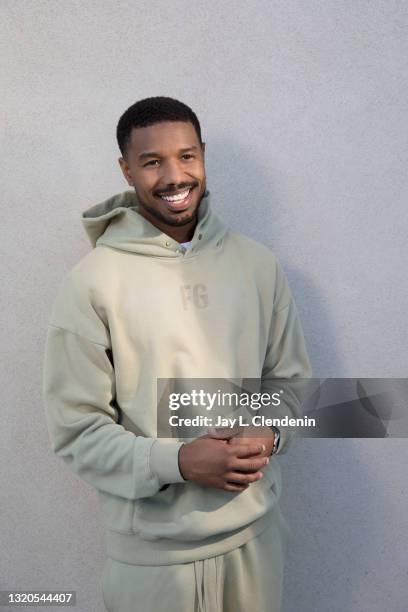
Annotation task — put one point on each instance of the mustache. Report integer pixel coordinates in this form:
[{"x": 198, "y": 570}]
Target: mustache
[{"x": 174, "y": 190}]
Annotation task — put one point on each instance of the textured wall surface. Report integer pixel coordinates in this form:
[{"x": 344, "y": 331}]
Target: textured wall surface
[{"x": 303, "y": 107}]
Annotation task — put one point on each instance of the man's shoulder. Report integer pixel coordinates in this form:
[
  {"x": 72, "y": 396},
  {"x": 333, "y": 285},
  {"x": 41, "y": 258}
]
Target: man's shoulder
[
  {"x": 90, "y": 270},
  {"x": 78, "y": 304},
  {"x": 83, "y": 284},
  {"x": 252, "y": 248}
]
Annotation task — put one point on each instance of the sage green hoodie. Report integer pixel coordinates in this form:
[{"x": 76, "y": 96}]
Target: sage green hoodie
[{"x": 139, "y": 307}]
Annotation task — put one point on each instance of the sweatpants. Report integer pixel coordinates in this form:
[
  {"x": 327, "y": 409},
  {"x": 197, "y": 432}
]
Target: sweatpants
[{"x": 249, "y": 578}]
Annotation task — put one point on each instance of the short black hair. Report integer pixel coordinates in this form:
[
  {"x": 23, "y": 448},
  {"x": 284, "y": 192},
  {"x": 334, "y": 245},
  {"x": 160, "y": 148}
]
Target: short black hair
[{"x": 150, "y": 111}]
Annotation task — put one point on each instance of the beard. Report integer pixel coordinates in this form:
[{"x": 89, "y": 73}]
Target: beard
[{"x": 170, "y": 219}]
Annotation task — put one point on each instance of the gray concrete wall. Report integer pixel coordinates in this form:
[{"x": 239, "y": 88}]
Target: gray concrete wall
[{"x": 303, "y": 106}]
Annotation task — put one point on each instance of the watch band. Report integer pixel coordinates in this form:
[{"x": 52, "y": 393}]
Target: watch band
[{"x": 276, "y": 439}]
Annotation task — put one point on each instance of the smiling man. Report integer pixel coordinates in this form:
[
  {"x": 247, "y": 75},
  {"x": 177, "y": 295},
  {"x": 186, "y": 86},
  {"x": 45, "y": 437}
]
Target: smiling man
[
  {"x": 174, "y": 146},
  {"x": 169, "y": 291}
]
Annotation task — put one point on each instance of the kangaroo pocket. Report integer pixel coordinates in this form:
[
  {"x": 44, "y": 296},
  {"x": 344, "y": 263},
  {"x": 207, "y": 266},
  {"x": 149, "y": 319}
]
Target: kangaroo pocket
[{"x": 191, "y": 512}]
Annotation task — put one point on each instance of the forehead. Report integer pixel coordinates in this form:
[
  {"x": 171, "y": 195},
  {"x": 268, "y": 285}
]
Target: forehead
[{"x": 165, "y": 137}]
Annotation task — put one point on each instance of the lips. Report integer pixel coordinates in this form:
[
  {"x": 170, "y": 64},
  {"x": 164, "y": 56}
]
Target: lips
[{"x": 175, "y": 193}]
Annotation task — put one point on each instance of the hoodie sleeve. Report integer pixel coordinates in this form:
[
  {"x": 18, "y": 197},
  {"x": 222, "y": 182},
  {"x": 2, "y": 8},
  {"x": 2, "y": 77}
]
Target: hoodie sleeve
[
  {"x": 286, "y": 358},
  {"x": 79, "y": 400}
]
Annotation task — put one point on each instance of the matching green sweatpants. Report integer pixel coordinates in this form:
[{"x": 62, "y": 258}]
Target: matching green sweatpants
[{"x": 247, "y": 579}]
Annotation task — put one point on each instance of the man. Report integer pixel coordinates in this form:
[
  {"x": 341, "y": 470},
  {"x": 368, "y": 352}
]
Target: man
[{"x": 168, "y": 291}]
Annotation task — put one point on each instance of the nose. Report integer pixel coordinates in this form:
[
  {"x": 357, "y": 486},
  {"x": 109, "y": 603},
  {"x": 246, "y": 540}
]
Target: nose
[{"x": 173, "y": 173}]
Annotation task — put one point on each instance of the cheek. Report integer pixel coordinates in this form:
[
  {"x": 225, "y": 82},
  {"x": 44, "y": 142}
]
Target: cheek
[
  {"x": 200, "y": 171},
  {"x": 145, "y": 183}
]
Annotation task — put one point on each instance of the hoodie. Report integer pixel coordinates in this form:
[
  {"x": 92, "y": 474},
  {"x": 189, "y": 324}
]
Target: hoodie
[{"x": 139, "y": 307}]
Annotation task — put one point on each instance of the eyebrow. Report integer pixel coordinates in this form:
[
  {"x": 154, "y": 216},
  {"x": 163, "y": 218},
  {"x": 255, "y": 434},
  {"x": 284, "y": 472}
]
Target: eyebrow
[{"x": 154, "y": 154}]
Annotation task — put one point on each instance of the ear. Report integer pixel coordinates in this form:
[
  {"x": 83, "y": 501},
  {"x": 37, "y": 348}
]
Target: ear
[
  {"x": 125, "y": 170},
  {"x": 203, "y": 148}
]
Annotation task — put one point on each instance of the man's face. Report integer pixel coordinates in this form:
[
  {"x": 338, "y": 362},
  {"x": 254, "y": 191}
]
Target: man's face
[{"x": 166, "y": 159}]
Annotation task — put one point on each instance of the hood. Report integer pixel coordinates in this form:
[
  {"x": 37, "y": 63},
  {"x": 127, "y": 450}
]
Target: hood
[{"x": 117, "y": 223}]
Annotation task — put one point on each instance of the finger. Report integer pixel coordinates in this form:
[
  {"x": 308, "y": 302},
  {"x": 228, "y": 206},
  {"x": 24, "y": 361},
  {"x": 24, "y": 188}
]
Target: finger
[
  {"x": 249, "y": 465},
  {"x": 223, "y": 432},
  {"x": 248, "y": 450},
  {"x": 229, "y": 486},
  {"x": 242, "y": 478},
  {"x": 212, "y": 437}
]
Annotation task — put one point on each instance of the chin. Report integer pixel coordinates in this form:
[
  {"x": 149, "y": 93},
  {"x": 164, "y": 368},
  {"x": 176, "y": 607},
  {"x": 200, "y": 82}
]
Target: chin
[{"x": 183, "y": 221}]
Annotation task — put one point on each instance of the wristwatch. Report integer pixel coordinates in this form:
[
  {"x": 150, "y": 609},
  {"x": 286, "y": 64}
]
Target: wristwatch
[{"x": 276, "y": 439}]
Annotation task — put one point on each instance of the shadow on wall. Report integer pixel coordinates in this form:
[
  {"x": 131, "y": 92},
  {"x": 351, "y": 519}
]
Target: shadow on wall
[{"x": 253, "y": 201}]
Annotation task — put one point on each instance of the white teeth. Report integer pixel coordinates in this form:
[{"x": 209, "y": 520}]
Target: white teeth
[{"x": 176, "y": 198}]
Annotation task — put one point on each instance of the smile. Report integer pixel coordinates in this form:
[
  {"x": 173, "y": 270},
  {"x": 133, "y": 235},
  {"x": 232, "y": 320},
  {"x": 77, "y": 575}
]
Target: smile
[
  {"x": 179, "y": 201},
  {"x": 177, "y": 198}
]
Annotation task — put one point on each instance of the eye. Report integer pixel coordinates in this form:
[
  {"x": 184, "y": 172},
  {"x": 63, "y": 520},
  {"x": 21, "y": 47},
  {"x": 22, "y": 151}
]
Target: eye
[{"x": 154, "y": 161}]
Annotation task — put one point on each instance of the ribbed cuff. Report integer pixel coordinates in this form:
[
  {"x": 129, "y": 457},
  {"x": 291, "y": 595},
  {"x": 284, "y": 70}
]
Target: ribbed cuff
[{"x": 164, "y": 461}]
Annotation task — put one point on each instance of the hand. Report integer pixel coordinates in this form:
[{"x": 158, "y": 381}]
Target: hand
[
  {"x": 259, "y": 435},
  {"x": 217, "y": 463}
]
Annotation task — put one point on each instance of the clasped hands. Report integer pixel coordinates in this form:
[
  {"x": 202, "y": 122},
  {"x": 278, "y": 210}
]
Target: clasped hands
[{"x": 227, "y": 458}]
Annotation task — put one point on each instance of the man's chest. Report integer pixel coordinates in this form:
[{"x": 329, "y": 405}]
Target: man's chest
[{"x": 174, "y": 302}]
